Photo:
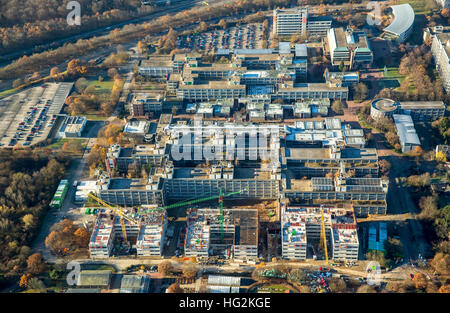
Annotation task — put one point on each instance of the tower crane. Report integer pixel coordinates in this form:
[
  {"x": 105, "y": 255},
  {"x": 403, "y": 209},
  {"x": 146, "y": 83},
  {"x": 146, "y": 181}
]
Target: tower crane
[
  {"x": 123, "y": 216},
  {"x": 323, "y": 237}
]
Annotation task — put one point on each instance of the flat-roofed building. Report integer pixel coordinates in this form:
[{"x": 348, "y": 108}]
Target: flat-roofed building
[
  {"x": 147, "y": 102},
  {"x": 423, "y": 110},
  {"x": 121, "y": 158},
  {"x": 349, "y": 47},
  {"x": 133, "y": 191},
  {"x": 418, "y": 110},
  {"x": 150, "y": 240},
  {"x": 440, "y": 49},
  {"x": 294, "y": 92},
  {"x": 406, "y": 132},
  {"x": 72, "y": 126},
  {"x": 157, "y": 66},
  {"x": 296, "y": 21},
  {"x": 210, "y": 91}
]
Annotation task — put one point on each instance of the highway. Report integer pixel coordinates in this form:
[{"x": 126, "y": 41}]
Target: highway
[{"x": 8, "y": 58}]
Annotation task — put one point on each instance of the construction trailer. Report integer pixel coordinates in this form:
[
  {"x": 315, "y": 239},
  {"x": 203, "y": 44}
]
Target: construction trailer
[{"x": 60, "y": 194}]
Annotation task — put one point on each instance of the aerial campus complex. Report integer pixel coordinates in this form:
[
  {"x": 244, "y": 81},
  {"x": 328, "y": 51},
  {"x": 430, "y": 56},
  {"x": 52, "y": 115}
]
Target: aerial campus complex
[{"x": 230, "y": 154}]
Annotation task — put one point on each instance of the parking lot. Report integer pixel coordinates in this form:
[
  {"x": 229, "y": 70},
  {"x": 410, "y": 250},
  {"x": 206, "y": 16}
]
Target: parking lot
[
  {"x": 243, "y": 37},
  {"x": 26, "y": 118}
]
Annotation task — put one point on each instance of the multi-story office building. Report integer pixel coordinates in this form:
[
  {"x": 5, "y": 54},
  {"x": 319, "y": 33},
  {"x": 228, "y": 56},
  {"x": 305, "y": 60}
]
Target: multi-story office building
[
  {"x": 121, "y": 158},
  {"x": 418, "y": 110},
  {"x": 349, "y": 47},
  {"x": 210, "y": 91},
  {"x": 296, "y": 21},
  {"x": 147, "y": 102},
  {"x": 440, "y": 49},
  {"x": 406, "y": 132},
  {"x": 157, "y": 66},
  {"x": 402, "y": 25},
  {"x": 293, "y": 92}
]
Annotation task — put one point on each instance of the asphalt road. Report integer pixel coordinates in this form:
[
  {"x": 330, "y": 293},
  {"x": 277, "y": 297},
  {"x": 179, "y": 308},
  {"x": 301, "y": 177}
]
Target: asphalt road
[{"x": 8, "y": 58}]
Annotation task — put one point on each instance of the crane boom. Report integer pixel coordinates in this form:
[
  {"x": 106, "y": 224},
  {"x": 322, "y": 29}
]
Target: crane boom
[
  {"x": 189, "y": 202},
  {"x": 119, "y": 212},
  {"x": 323, "y": 237}
]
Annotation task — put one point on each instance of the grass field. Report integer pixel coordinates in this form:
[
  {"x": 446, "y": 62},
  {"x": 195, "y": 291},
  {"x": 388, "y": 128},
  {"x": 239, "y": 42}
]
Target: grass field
[
  {"x": 60, "y": 142},
  {"x": 420, "y": 6},
  {"x": 103, "y": 87},
  {"x": 7, "y": 92},
  {"x": 95, "y": 116}
]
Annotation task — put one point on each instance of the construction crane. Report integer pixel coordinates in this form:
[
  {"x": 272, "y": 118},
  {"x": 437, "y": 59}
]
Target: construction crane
[
  {"x": 193, "y": 201},
  {"x": 323, "y": 237},
  {"x": 123, "y": 216},
  {"x": 119, "y": 212},
  {"x": 221, "y": 214}
]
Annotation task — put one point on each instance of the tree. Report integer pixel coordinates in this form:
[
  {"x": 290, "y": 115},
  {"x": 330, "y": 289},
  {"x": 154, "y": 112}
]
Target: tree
[
  {"x": 24, "y": 279},
  {"x": 377, "y": 256},
  {"x": 360, "y": 91},
  {"x": 338, "y": 106},
  {"x": 36, "y": 285},
  {"x": 35, "y": 263},
  {"x": 441, "y": 263},
  {"x": 385, "y": 166},
  {"x": 112, "y": 72},
  {"x": 81, "y": 84},
  {"x": 54, "y": 71},
  {"x": 441, "y": 156},
  {"x": 337, "y": 285},
  {"x": 429, "y": 206},
  {"x": 189, "y": 270},
  {"x": 420, "y": 281},
  {"x": 174, "y": 288},
  {"x": 82, "y": 237},
  {"x": 28, "y": 221},
  {"x": 165, "y": 267},
  {"x": 393, "y": 248},
  {"x": 366, "y": 289},
  {"x": 444, "y": 289},
  {"x": 342, "y": 66},
  {"x": 17, "y": 82},
  {"x": 222, "y": 23}
]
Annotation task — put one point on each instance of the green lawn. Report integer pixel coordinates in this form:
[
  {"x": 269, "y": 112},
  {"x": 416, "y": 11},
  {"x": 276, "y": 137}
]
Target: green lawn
[
  {"x": 60, "y": 142},
  {"x": 103, "y": 87},
  {"x": 392, "y": 72},
  {"x": 95, "y": 116},
  {"x": 98, "y": 267},
  {"x": 420, "y": 6},
  {"x": 5, "y": 93}
]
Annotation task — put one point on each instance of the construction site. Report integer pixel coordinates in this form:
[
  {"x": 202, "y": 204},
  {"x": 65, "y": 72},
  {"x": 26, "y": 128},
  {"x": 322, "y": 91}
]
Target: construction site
[
  {"x": 301, "y": 204},
  {"x": 310, "y": 232}
]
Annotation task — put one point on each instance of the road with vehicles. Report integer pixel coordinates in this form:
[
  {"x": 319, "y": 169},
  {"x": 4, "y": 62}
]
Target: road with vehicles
[{"x": 7, "y": 58}]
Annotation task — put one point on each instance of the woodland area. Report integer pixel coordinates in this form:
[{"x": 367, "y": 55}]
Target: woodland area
[
  {"x": 25, "y": 23},
  {"x": 28, "y": 180}
]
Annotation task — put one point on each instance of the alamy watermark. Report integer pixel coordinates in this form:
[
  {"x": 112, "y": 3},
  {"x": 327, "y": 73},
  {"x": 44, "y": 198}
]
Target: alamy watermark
[
  {"x": 74, "y": 274},
  {"x": 74, "y": 16},
  {"x": 373, "y": 18},
  {"x": 373, "y": 270}
]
